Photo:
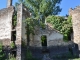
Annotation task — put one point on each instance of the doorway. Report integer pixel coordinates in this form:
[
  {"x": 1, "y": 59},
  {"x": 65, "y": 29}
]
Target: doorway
[
  {"x": 44, "y": 40},
  {"x": 44, "y": 44}
]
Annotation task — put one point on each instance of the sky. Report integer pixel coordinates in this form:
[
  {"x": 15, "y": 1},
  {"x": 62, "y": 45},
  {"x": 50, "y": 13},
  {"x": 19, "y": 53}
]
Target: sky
[{"x": 65, "y": 5}]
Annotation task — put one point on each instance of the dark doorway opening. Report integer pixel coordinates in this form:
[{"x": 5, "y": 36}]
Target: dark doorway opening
[
  {"x": 44, "y": 44},
  {"x": 44, "y": 40},
  {"x": 13, "y": 36}
]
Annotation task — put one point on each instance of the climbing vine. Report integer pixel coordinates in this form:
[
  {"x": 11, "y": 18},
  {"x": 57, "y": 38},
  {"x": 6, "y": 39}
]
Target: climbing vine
[{"x": 61, "y": 24}]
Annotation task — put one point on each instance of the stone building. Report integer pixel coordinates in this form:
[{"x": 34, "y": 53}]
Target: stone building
[
  {"x": 75, "y": 13},
  {"x": 52, "y": 37},
  {"x": 6, "y": 26}
]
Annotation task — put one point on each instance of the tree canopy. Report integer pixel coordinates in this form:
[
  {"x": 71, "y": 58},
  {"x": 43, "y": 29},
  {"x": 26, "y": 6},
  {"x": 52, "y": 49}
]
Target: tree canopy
[{"x": 43, "y": 7}]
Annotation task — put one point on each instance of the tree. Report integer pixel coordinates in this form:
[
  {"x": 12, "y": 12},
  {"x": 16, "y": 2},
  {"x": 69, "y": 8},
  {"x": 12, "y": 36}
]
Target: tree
[
  {"x": 43, "y": 8},
  {"x": 39, "y": 10}
]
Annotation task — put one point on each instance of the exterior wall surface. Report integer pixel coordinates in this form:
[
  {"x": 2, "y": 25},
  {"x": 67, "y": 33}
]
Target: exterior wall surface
[
  {"x": 20, "y": 29},
  {"x": 52, "y": 35},
  {"x": 75, "y": 13},
  {"x": 9, "y": 3},
  {"x": 6, "y": 24},
  {"x": 18, "y": 32}
]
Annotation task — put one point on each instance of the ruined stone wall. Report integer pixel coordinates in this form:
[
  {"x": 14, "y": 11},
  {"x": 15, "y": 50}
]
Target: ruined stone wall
[
  {"x": 18, "y": 32},
  {"x": 75, "y": 13},
  {"x": 53, "y": 37},
  {"x": 9, "y": 3},
  {"x": 22, "y": 14},
  {"x": 6, "y": 24}
]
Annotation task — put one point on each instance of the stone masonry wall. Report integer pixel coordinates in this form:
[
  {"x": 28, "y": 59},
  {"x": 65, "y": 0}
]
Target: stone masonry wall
[
  {"x": 22, "y": 14},
  {"x": 18, "y": 32},
  {"x": 75, "y": 13},
  {"x": 6, "y": 24},
  {"x": 9, "y": 3}
]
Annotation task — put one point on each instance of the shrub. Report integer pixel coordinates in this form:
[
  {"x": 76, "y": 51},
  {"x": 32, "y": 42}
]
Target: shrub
[
  {"x": 1, "y": 52},
  {"x": 11, "y": 57}
]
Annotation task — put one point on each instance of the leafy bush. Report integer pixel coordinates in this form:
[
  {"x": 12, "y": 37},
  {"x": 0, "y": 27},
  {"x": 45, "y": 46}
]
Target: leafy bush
[
  {"x": 61, "y": 24},
  {"x": 11, "y": 57},
  {"x": 1, "y": 52}
]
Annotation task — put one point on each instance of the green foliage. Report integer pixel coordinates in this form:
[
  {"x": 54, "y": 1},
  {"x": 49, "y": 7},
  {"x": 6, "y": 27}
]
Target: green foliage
[
  {"x": 39, "y": 10},
  {"x": 12, "y": 45},
  {"x": 1, "y": 52},
  {"x": 45, "y": 7},
  {"x": 30, "y": 23},
  {"x": 43, "y": 38},
  {"x": 29, "y": 55},
  {"x": 14, "y": 19},
  {"x": 11, "y": 57},
  {"x": 61, "y": 24},
  {"x": 42, "y": 8},
  {"x": 75, "y": 59}
]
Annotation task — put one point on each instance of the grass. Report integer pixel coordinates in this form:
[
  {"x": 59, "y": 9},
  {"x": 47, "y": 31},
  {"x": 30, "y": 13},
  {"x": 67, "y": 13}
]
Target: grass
[{"x": 75, "y": 59}]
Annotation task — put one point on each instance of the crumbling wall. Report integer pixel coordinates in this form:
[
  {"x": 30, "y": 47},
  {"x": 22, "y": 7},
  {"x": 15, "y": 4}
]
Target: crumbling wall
[
  {"x": 6, "y": 24},
  {"x": 18, "y": 32},
  {"x": 22, "y": 14},
  {"x": 53, "y": 37},
  {"x": 75, "y": 13}
]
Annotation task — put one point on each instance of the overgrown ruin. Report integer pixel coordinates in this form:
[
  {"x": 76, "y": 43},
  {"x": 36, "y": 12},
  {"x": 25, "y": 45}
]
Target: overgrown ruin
[
  {"x": 53, "y": 39},
  {"x": 7, "y": 31}
]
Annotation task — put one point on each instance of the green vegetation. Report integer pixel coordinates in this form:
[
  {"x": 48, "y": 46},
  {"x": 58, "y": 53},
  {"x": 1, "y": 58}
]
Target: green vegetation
[
  {"x": 1, "y": 52},
  {"x": 14, "y": 22},
  {"x": 12, "y": 45},
  {"x": 61, "y": 24},
  {"x": 39, "y": 9},
  {"x": 11, "y": 57},
  {"x": 43, "y": 38},
  {"x": 29, "y": 56},
  {"x": 76, "y": 59}
]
